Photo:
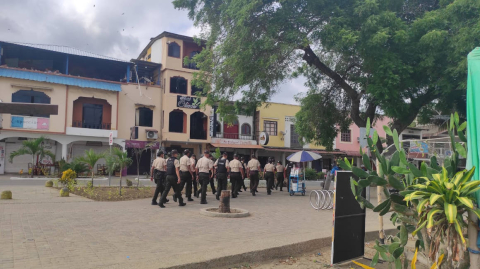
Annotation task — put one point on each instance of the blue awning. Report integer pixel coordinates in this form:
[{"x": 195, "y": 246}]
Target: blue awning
[{"x": 60, "y": 79}]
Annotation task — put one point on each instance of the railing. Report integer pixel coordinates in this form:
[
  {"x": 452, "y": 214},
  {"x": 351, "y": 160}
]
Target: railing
[
  {"x": 191, "y": 65},
  {"x": 198, "y": 135},
  {"x": 235, "y": 136},
  {"x": 81, "y": 124}
]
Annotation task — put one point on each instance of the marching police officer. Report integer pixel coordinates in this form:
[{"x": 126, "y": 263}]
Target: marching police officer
[
  {"x": 193, "y": 161},
  {"x": 269, "y": 176},
  {"x": 244, "y": 169},
  {"x": 253, "y": 167},
  {"x": 212, "y": 176},
  {"x": 186, "y": 174},
  {"x": 173, "y": 180},
  {"x": 204, "y": 166},
  {"x": 158, "y": 173},
  {"x": 236, "y": 175},
  {"x": 280, "y": 175},
  {"x": 222, "y": 167}
]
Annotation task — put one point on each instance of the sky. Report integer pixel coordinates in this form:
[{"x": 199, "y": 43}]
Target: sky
[{"x": 115, "y": 28}]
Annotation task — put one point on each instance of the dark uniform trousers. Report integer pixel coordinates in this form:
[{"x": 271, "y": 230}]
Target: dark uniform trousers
[
  {"x": 235, "y": 180},
  {"x": 186, "y": 179},
  {"x": 280, "y": 179},
  {"x": 270, "y": 181},
  {"x": 221, "y": 183},
  {"x": 212, "y": 183},
  {"x": 204, "y": 179},
  {"x": 195, "y": 185},
  {"x": 171, "y": 182},
  {"x": 159, "y": 177},
  {"x": 253, "y": 181}
]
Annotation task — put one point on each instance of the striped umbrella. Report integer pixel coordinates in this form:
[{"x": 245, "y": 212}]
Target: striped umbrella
[{"x": 303, "y": 156}]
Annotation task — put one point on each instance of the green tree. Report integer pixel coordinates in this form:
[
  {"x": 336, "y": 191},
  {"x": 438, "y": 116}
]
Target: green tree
[
  {"x": 33, "y": 147},
  {"x": 123, "y": 161},
  {"x": 91, "y": 158},
  {"x": 111, "y": 164},
  {"x": 359, "y": 56}
]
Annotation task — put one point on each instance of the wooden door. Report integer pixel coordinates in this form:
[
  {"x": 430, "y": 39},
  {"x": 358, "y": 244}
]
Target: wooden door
[{"x": 230, "y": 131}]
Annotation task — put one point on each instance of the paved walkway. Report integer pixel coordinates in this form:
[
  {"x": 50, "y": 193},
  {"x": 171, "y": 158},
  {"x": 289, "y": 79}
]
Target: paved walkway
[{"x": 39, "y": 229}]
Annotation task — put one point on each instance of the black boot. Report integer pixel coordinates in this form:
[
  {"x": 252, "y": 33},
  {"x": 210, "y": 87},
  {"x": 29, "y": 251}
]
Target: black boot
[
  {"x": 190, "y": 199},
  {"x": 203, "y": 202},
  {"x": 161, "y": 205},
  {"x": 174, "y": 198},
  {"x": 154, "y": 203}
]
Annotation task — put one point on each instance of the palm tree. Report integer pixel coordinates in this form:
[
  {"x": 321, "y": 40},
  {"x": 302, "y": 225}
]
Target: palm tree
[
  {"x": 91, "y": 158},
  {"x": 32, "y": 147},
  {"x": 111, "y": 164},
  {"x": 123, "y": 161}
]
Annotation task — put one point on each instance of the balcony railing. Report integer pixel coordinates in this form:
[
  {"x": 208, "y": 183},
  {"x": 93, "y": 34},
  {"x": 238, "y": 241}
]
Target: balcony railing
[
  {"x": 198, "y": 135},
  {"x": 81, "y": 124},
  {"x": 236, "y": 136}
]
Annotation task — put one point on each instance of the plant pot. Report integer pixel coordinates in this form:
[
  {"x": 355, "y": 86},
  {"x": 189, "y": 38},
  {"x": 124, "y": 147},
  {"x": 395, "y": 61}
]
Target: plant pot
[{"x": 64, "y": 192}]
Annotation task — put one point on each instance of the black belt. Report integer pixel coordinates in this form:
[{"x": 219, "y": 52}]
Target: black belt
[
  {"x": 234, "y": 172},
  {"x": 204, "y": 173},
  {"x": 269, "y": 172}
]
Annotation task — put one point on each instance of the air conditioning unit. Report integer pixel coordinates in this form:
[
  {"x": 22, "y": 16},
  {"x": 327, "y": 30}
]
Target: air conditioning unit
[{"x": 152, "y": 135}]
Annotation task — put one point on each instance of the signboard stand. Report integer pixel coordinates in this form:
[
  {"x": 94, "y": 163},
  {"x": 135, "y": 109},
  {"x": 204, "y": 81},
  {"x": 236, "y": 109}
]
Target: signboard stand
[{"x": 110, "y": 143}]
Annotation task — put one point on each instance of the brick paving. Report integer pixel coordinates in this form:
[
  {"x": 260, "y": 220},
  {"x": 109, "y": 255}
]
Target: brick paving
[{"x": 39, "y": 229}]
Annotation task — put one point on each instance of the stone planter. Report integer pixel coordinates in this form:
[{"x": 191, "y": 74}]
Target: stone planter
[
  {"x": 234, "y": 213},
  {"x": 6, "y": 195},
  {"x": 64, "y": 192},
  {"x": 49, "y": 183}
]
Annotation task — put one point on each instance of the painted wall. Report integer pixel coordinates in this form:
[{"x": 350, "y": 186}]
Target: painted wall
[
  {"x": 156, "y": 51},
  {"x": 57, "y": 94},
  {"x": 354, "y": 145},
  {"x": 242, "y": 119},
  {"x": 277, "y": 112},
  {"x": 128, "y": 98}
]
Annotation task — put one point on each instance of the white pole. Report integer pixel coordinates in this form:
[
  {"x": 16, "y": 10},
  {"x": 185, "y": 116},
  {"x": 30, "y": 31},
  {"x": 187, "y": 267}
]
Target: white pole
[{"x": 109, "y": 170}]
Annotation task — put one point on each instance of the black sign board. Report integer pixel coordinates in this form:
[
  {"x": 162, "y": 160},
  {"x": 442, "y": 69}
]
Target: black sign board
[
  {"x": 188, "y": 102},
  {"x": 348, "y": 221}
]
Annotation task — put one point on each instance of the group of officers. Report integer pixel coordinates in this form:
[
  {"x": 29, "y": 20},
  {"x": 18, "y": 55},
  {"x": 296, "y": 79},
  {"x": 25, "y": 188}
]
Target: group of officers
[{"x": 188, "y": 172}]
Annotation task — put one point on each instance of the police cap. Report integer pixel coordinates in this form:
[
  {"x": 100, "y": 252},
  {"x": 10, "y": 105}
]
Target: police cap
[
  {"x": 235, "y": 155},
  {"x": 159, "y": 153},
  {"x": 225, "y": 154},
  {"x": 186, "y": 151},
  {"x": 174, "y": 151}
]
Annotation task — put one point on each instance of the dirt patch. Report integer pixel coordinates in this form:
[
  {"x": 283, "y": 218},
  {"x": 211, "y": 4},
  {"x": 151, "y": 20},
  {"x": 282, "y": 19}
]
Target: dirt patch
[{"x": 112, "y": 193}]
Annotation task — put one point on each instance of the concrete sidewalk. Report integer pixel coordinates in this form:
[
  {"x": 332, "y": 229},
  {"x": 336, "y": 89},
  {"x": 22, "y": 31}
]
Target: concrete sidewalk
[{"x": 38, "y": 229}]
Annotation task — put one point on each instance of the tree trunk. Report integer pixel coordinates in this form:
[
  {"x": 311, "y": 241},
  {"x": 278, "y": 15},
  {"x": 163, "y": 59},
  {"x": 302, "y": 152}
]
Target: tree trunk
[
  {"x": 33, "y": 165},
  {"x": 120, "y": 189},
  {"x": 224, "y": 206},
  {"x": 92, "y": 177}
]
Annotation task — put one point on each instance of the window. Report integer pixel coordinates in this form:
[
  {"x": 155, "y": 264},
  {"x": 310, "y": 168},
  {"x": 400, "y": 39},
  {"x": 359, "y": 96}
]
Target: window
[
  {"x": 196, "y": 90},
  {"x": 178, "y": 85},
  {"x": 270, "y": 127},
  {"x": 218, "y": 128},
  {"x": 92, "y": 116},
  {"x": 144, "y": 117},
  {"x": 294, "y": 142},
  {"x": 174, "y": 50},
  {"x": 246, "y": 129},
  {"x": 192, "y": 65},
  {"x": 346, "y": 136},
  {"x": 177, "y": 121},
  {"x": 31, "y": 96},
  {"x": 198, "y": 126}
]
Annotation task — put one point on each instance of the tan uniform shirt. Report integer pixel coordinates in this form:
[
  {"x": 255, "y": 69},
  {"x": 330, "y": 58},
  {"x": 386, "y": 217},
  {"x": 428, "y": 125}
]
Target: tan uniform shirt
[
  {"x": 227, "y": 163},
  {"x": 204, "y": 165},
  {"x": 176, "y": 163},
  {"x": 253, "y": 164},
  {"x": 184, "y": 163},
  {"x": 280, "y": 168},
  {"x": 159, "y": 163},
  {"x": 235, "y": 166},
  {"x": 192, "y": 163},
  {"x": 269, "y": 167}
]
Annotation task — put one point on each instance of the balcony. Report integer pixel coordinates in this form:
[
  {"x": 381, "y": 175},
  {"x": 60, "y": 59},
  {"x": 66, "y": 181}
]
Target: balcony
[
  {"x": 82, "y": 124},
  {"x": 79, "y": 131},
  {"x": 235, "y": 136}
]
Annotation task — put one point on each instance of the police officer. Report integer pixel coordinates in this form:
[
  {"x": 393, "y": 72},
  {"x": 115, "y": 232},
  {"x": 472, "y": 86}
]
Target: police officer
[
  {"x": 193, "y": 162},
  {"x": 204, "y": 166},
  {"x": 244, "y": 169},
  {"x": 173, "y": 180},
  {"x": 159, "y": 166},
  {"x": 280, "y": 175},
  {"x": 253, "y": 167},
  {"x": 236, "y": 175},
  {"x": 212, "y": 176},
  {"x": 186, "y": 174},
  {"x": 222, "y": 167},
  {"x": 269, "y": 175}
]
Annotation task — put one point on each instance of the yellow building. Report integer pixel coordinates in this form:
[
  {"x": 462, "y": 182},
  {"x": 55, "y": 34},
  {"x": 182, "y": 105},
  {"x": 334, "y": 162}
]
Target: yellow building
[
  {"x": 183, "y": 124},
  {"x": 276, "y": 124}
]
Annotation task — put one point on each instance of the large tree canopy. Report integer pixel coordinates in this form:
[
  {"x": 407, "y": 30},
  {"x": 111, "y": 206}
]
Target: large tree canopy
[{"x": 359, "y": 56}]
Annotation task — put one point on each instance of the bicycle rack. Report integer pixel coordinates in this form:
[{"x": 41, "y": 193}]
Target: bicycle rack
[{"x": 322, "y": 199}]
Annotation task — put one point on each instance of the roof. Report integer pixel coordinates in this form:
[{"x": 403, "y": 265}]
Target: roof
[
  {"x": 65, "y": 50},
  {"x": 234, "y": 146},
  {"x": 166, "y": 34},
  {"x": 59, "y": 79}
]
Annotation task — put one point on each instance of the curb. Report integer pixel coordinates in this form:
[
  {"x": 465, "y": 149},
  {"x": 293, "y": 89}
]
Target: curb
[
  {"x": 271, "y": 253},
  {"x": 244, "y": 213}
]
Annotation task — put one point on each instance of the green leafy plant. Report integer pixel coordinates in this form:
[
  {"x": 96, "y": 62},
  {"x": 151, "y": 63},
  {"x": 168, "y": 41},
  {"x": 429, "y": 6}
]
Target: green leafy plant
[
  {"x": 33, "y": 147},
  {"x": 129, "y": 182},
  {"x": 430, "y": 202},
  {"x": 123, "y": 161},
  {"x": 76, "y": 165},
  {"x": 111, "y": 165},
  {"x": 217, "y": 154},
  {"x": 311, "y": 174},
  {"x": 91, "y": 158}
]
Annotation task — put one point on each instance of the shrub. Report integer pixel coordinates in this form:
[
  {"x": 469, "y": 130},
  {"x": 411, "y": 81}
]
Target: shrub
[
  {"x": 311, "y": 174},
  {"x": 68, "y": 177},
  {"x": 49, "y": 183},
  {"x": 129, "y": 183},
  {"x": 6, "y": 195}
]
